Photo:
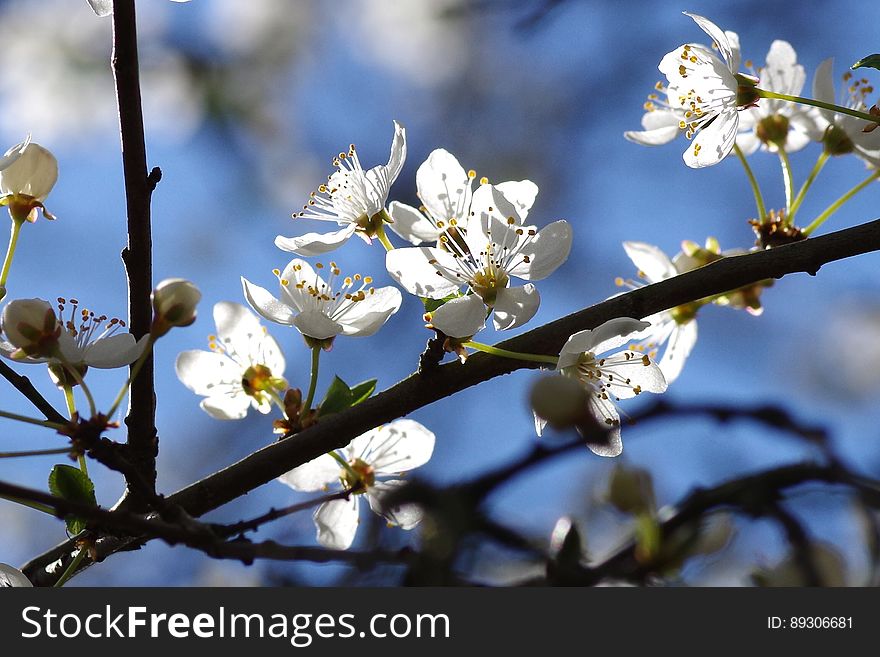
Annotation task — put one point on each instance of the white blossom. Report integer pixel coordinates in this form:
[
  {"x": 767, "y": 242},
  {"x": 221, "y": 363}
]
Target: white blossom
[
  {"x": 705, "y": 88},
  {"x": 673, "y": 330},
  {"x": 244, "y": 367},
  {"x": 608, "y": 379},
  {"x": 322, "y": 310},
  {"x": 494, "y": 247},
  {"x": 352, "y": 198},
  {"x": 391, "y": 449}
]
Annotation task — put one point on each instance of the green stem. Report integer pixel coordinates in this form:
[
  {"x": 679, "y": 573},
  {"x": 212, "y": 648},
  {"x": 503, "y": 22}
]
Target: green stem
[
  {"x": 82, "y": 384},
  {"x": 71, "y": 409},
  {"x": 30, "y": 420},
  {"x": 504, "y": 353},
  {"x": 834, "y": 207},
  {"x": 823, "y": 158},
  {"x": 135, "y": 370},
  {"x": 35, "y": 452},
  {"x": 383, "y": 238},
  {"x": 36, "y": 506},
  {"x": 313, "y": 381},
  {"x": 345, "y": 464},
  {"x": 756, "y": 189},
  {"x": 788, "y": 179},
  {"x": 10, "y": 253},
  {"x": 71, "y": 569},
  {"x": 763, "y": 93}
]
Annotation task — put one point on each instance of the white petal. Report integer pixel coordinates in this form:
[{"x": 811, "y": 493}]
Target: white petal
[
  {"x": 315, "y": 324},
  {"x": 540, "y": 423},
  {"x": 337, "y": 523},
  {"x": 605, "y": 412},
  {"x": 399, "y": 446},
  {"x": 461, "y": 317},
  {"x": 489, "y": 208},
  {"x": 312, "y": 244},
  {"x": 411, "y": 267},
  {"x": 203, "y": 371},
  {"x": 514, "y": 306},
  {"x": 656, "y": 137},
  {"x": 546, "y": 251},
  {"x": 735, "y": 55},
  {"x": 313, "y": 476},
  {"x": 114, "y": 351},
  {"x": 823, "y": 87},
  {"x": 300, "y": 278},
  {"x": 398, "y": 153},
  {"x": 71, "y": 351},
  {"x": 227, "y": 407},
  {"x": 102, "y": 7},
  {"x": 411, "y": 225},
  {"x": 268, "y": 307},
  {"x": 443, "y": 186},
  {"x": 718, "y": 36},
  {"x": 12, "y": 577},
  {"x": 782, "y": 73},
  {"x": 609, "y": 335},
  {"x": 679, "y": 347},
  {"x": 521, "y": 193},
  {"x": 629, "y": 365},
  {"x": 748, "y": 142},
  {"x": 406, "y": 516},
  {"x": 365, "y": 317},
  {"x": 236, "y": 325},
  {"x": 650, "y": 260},
  {"x": 715, "y": 141},
  {"x": 12, "y": 155}
]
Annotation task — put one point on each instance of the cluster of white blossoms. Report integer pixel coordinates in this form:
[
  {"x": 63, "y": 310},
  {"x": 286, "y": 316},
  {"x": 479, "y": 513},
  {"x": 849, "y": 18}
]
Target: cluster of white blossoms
[{"x": 708, "y": 99}]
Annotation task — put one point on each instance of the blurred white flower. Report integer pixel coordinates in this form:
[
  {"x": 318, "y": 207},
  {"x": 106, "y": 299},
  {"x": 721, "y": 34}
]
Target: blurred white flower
[
  {"x": 495, "y": 247},
  {"x": 74, "y": 64},
  {"x": 174, "y": 304},
  {"x": 393, "y": 448},
  {"x": 772, "y": 122},
  {"x": 320, "y": 310},
  {"x": 244, "y": 367},
  {"x": 840, "y": 133},
  {"x": 415, "y": 39}
]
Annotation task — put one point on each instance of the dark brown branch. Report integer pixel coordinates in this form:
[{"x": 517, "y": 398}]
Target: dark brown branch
[
  {"x": 275, "y": 514},
  {"x": 754, "y": 494},
  {"x": 416, "y": 391},
  {"x": 137, "y": 255},
  {"x": 26, "y": 388}
]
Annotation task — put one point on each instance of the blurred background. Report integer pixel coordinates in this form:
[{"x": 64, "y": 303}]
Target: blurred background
[{"x": 245, "y": 105}]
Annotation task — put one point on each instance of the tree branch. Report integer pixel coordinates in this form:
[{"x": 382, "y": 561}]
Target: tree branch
[
  {"x": 26, "y": 388},
  {"x": 419, "y": 390},
  {"x": 137, "y": 255}
]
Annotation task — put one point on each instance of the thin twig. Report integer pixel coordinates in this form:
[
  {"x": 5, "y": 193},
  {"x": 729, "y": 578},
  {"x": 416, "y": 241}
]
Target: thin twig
[{"x": 26, "y": 388}]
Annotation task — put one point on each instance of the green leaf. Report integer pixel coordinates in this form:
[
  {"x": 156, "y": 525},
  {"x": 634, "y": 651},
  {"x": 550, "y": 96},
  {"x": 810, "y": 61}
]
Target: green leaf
[
  {"x": 871, "y": 61},
  {"x": 338, "y": 398},
  {"x": 362, "y": 391},
  {"x": 72, "y": 484}
]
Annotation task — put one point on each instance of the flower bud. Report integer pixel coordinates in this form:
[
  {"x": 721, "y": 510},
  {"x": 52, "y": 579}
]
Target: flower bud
[
  {"x": 631, "y": 490},
  {"x": 27, "y": 181},
  {"x": 31, "y": 325},
  {"x": 174, "y": 304}
]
